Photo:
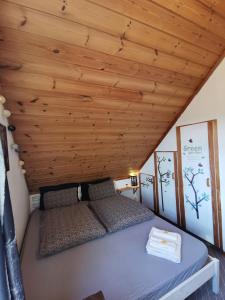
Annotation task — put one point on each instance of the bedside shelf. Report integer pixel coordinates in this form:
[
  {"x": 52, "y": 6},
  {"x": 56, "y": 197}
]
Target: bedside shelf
[{"x": 128, "y": 187}]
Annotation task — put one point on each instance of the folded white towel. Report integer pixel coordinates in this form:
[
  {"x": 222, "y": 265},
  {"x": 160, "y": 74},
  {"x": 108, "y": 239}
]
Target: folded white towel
[
  {"x": 164, "y": 234},
  {"x": 164, "y": 244}
]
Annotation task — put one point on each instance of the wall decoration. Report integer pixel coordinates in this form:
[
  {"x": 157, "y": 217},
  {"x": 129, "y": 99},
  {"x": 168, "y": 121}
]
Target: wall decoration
[
  {"x": 3, "y": 137},
  {"x": 133, "y": 179},
  {"x": 166, "y": 178},
  {"x": 199, "y": 188},
  {"x": 163, "y": 177},
  {"x": 190, "y": 174},
  {"x": 147, "y": 190}
]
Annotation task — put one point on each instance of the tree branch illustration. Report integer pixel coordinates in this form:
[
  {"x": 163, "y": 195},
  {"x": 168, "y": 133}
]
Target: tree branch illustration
[
  {"x": 148, "y": 180},
  {"x": 163, "y": 177},
  {"x": 190, "y": 175}
]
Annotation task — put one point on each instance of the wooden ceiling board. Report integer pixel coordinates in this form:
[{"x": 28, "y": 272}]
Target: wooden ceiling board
[
  {"x": 34, "y": 65},
  {"x": 100, "y": 18},
  {"x": 147, "y": 12},
  {"x": 198, "y": 13},
  {"x": 94, "y": 85},
  {"x": 34, "y": 96},
  {"x": 83, "y": 110},
  {"x": 44, "y": 47},
  {"x": 14, "y": 16},
  {"x": 216, "y": 5}
]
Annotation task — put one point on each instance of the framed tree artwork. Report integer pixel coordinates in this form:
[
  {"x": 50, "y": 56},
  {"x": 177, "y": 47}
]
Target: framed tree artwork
[
  {"x": 3, "y": 136},
  {"x": 166, "y": 185},
  {"x": 199, "y": 185},
  {"x": 147, "y": 190},
  {"x": 191, "y": 175}
]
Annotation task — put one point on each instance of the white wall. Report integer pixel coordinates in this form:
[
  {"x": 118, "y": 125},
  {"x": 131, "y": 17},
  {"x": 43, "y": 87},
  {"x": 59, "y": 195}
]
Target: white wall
[
  {"x": 18, "y": 190},
  {"x": 208, "y": 104}
]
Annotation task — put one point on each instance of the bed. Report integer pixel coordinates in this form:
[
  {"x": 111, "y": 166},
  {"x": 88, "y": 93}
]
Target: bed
[{"x": 117, "y": 264}]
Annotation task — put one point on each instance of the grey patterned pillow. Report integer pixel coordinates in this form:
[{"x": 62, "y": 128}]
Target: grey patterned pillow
[
  {"x": 66, "y": 227},
  {"x": 101, "y": 190},
  {"x": 65, "y": 197},
  {"x": 119, "y": 212}
]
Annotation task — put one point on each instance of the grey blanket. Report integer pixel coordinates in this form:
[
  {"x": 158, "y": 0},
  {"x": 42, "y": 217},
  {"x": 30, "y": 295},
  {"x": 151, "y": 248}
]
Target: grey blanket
[
  {"x": 65, "y": 227},
  {"x": 118, "y": 212}
]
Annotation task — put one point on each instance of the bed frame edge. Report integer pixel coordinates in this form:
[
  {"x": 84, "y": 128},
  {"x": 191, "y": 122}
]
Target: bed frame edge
[{"x": 209, "y": 272}]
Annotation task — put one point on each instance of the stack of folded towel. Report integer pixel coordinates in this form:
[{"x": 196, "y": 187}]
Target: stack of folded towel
[{"x": 164, "y": 244}]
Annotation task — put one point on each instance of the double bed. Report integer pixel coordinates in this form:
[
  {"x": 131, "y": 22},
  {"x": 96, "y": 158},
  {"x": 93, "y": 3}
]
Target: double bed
[{"x": 115, "y": 263}]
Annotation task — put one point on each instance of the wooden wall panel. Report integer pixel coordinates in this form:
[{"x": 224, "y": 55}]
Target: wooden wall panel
[{"x": 93, "y": 85}]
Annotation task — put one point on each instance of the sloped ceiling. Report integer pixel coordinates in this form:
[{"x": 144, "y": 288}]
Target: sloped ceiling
[{"x": 93, "y": 85}]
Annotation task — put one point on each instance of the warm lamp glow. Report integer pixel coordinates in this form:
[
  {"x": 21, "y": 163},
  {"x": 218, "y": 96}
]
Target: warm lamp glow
[{"x": 133, "y": 173}]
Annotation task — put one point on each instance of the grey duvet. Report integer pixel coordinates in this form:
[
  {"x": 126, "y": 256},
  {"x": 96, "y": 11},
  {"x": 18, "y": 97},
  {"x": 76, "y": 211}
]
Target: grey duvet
[
  {"x": 65, "y": 227},
  {"x": 117, "y": 264},
  {"x": 118, "y": 212}
]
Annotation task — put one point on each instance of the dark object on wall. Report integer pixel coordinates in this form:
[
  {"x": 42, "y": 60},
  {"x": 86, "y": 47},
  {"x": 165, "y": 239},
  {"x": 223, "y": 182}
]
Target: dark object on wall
[
  {"x": 133, "y": 180},
  {"x": 11, "y": 127},
  {"x": 3, "y": 137}
]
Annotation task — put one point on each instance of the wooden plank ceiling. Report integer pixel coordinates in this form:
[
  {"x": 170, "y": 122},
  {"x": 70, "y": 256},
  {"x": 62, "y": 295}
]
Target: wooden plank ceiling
[{"x": 94, "y": 85}]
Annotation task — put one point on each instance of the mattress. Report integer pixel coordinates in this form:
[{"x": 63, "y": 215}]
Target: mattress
[{"x": 117, "y": 264}]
